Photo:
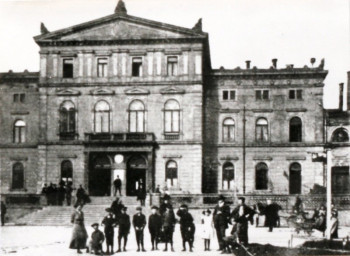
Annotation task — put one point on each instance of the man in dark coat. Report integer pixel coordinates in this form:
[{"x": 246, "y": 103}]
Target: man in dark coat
[
  {"x": 97, "y": 238},
  {"x": 55, "y": 195},
  {"x": 117, "y": 186},
  {"x": 241, "y": 215},
  {"x": 61, "y": 193},
  {"x": 271, "y": 214},
  {"x": 124, "y": 228},
  {"x": 141, "y": 195},
  {"x": 165, "y": 204},
  {"x": 44, "y": 192},
  {"x": 186, "y": 226},
  {"x": 168, "y": 227},
  {"x": 117, "y": 206},
  {"x": 50, "y": 194},
  {"x": 139, "y": 222},
  {"x": 80, "y": 195},
  {"x": 3, "y": 213},
  {"x": 221, "y": 217},
  {"x": 154, "y": 227},
  {"x": 109, "y": 222},
  {"x": 69, "y": 191}
]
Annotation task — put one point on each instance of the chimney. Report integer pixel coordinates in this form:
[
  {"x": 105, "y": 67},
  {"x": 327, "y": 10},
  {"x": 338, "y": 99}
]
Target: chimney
[
  {"x": 274, "y": 63},
  {"x": 341, "y": 94},
  {"x": 247, "y": 64}
]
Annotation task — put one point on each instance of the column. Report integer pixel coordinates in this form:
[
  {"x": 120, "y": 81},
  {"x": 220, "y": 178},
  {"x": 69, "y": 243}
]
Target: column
[
  {"x": 124, "y": 61},
  {"x": 185, "y": 63},
  {"x": 150, "y": 63},
  {"x": 158, "y": 56},
  {"x": 115, "y": 63},
  {"x": 43, "y": 64},
  {"x": 55, "y": 71},
  {"x": 81, "y": 64},
  {"x": 198, "y": 64}
]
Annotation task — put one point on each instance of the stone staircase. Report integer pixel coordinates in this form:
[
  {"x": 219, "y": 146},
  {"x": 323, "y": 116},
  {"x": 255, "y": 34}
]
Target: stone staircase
[{"x": 61, "y": 215}]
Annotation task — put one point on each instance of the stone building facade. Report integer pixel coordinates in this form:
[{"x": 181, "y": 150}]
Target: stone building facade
[{"x": 129, "y": 97}]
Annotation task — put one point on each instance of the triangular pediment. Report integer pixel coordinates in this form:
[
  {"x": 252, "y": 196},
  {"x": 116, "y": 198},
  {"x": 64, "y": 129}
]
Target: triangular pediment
[
  {"x": 172, "y": 90},
  {"x": 136, "y": 91},
  {"x": 120, "y": 27},
  {"x": 67, "y": 92},
  {"x": 102, "y": 91}
]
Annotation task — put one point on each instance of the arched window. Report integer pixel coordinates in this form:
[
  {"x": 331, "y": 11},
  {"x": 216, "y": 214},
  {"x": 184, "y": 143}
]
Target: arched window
[
  {"x": 295, "y": 129},
  {"x": 102, "y": 116},
  {"x": 228, "y": 130},
  {"x": 136, "y": 116},
  {"x": 67, "y": 171},
  {"x": 340, "y": 135},
  {"x": 171, "y": 117},
  {"x": 171, "y": 173},
  {"x": 228, "y": 175},
  {"x": 19, "y": 132},
  {"x": 261, "y": 176},
  {"x": 262, "y": 128},
  {"x": 295, "y": 178},
  {"x": 17, "y": 176},
  {"x": 67, "y": 117}
]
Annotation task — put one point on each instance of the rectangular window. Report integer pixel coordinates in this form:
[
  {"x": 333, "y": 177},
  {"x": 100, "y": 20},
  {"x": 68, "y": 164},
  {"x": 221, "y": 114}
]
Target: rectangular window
[
  {"x": 172, "y": 66},
  {"x": 262, "y": 94},
  {"x": 102, "y": 67},
  {"x": 19, "y": 97},
  {"x": 68, "y": 68},
  {"x": 16, "y": 97},
  {"x": 22, "y": 97},
  {"x": 229, "y": 95},
  {"x": 295, "y": 94},
  {"x": 137, "y": 66}
]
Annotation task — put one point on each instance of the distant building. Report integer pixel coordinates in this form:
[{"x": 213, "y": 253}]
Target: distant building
[{"x": 126, "y": 96}]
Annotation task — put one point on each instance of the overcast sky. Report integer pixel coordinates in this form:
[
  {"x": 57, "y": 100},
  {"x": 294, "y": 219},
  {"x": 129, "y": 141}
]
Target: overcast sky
[{"x": 258, "y": 30}]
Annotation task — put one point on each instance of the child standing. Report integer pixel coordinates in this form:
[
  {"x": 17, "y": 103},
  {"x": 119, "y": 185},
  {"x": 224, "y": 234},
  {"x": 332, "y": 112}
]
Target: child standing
[{"x": 207, "y": 228}]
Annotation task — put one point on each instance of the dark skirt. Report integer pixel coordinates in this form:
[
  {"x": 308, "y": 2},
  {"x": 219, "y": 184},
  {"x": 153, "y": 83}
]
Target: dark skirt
[
  {"x": 109, "y": 234},
  {"x": 79, "y": 237}
]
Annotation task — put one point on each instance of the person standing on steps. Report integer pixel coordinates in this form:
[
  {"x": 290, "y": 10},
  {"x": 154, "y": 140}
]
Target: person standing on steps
[
  {"x": 186, "y": 226},
  {"x": 154, "y": 227},
  {"x": 3, "y": 213},
  {"x": 69, "y": 191},
  {"x": 168, "y": 227},
  {"x": 109, "y": 222},
  {"x": 44, "y": 192},
  {"x": 124, "y": 229},
  {"x": 117, "y": 186},
  {"x": 139, "y": 222},
  {"x": 80, "y": 195},
  {"x": 141, "y": 195},
  {"x": 79, "y": 235}
]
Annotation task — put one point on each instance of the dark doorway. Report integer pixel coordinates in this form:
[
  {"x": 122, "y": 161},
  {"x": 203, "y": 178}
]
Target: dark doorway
[
  {"x": 340, "y": 180},
  {"x": 135, "y": 175},
  {"x": 100, "y": 176},
  {"x": 295, "y": 179},
  {"x": 67, "y": 171}
]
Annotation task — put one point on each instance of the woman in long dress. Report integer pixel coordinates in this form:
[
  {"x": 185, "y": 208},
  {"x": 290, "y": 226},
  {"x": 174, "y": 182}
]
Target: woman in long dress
[
  {"x": 207, "y": 229},
  {"x": 79, "y": 235}
]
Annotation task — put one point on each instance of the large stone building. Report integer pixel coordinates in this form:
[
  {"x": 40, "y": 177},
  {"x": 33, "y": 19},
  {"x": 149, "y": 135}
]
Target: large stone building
[{"x": 126, "y": 96}]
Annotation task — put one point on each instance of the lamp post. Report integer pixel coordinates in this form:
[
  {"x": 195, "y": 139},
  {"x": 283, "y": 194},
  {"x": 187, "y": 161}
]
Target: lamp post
[{"x": 326, "y": 158}]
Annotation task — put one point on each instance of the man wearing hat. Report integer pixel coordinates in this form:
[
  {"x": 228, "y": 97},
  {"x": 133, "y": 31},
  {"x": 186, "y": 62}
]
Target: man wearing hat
[
  {"x": 139, "y": 222},
  {"x": 186, "y": 226},
  {"x": 241, "y": 215},
  {"x": 109, "y": 222},
  {"x": 221, "y": 217},
  {"x": 154, "y": 227},
  {"x": 97, "y": 238},
  {"x": 124, "y": 228}
]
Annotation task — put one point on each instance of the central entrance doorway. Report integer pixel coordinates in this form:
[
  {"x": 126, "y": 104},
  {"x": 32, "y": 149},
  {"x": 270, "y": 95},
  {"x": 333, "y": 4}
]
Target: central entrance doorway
[
  {"x": 135, "y": 175},
  {"x": 100, "y": 175}
]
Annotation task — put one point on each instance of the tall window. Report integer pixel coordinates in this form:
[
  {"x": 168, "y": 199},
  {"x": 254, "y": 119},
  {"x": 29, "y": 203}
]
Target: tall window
[
  {"x": 102, "y": 116},
  {"x": 340, "y": 135},
  {"x": 67, "y": 68},
  {"x": 171, "y": 117},
  {"x": 136, "y": 116},
  {"x": 17, "y": 176},
  {"x": 102, "y": 67},
  {"x": 295, "y": 178},
  {"x": 261, "y": 178},
  {"x": 67, "y": 117},
  {"x": 137, "y": 66},
  {"x": 171, "y": 173},
  {"x": 228, "y": 130},
  {"x": 19, "y": 132},
  {"x": 262, "y": 129},
  {"x": 228, "y": 175},
  {"x": 172, "y": 66},
  {"x": 67, "y": 171},
  {"x": 295, "y": 129}
]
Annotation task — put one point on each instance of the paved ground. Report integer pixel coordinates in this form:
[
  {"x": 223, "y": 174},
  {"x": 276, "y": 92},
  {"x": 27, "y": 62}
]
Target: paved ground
[{"x": 36, "y": 240}]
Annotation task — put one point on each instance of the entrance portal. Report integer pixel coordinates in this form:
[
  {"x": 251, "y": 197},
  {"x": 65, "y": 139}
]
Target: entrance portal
[
  {"x": 135, "y": 175},
  {"x": 100, "y": 176}
]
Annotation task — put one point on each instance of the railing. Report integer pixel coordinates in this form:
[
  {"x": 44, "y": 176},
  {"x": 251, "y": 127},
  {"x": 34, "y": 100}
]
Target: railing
[
  {"x": 119, "y": 137},
  {"x": 171, "y": 136}
]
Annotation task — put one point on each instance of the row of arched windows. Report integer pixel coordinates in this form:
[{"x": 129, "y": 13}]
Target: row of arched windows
[
  {"x": 262, "y": 130},
  {"x": 261, "y": 177},
  {"x": 102, "y": 117}
]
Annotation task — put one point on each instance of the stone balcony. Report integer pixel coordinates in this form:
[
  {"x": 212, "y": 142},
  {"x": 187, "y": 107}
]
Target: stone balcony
[{"x": 119, "y": 138}]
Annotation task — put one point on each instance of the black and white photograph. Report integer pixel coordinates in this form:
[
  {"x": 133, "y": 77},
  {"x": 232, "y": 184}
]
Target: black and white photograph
[{"x": 175, "y": 127}]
